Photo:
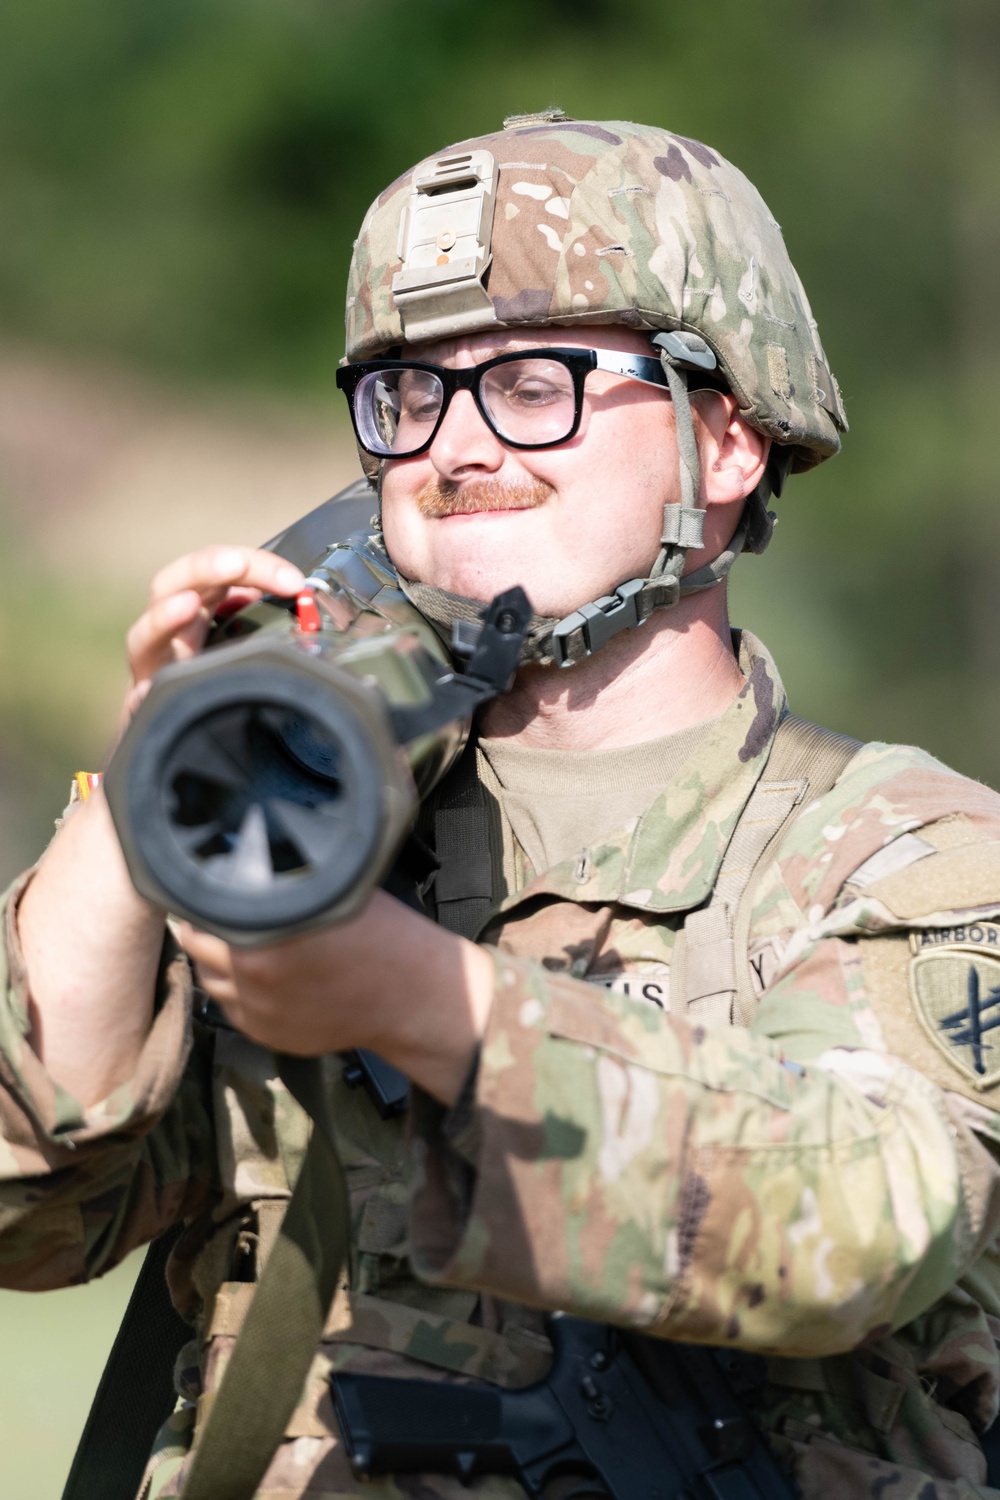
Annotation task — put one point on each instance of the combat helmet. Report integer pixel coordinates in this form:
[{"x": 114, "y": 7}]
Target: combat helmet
[{"x": 554, "y": 221}]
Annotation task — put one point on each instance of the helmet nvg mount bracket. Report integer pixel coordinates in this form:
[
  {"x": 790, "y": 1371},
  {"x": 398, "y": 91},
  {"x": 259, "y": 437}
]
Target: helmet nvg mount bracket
[{"x": 559, "y": 222}]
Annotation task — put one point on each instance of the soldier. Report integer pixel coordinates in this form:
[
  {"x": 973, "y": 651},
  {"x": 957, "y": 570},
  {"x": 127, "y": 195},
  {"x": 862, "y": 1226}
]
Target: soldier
[{"x": 703, "y": 1046}]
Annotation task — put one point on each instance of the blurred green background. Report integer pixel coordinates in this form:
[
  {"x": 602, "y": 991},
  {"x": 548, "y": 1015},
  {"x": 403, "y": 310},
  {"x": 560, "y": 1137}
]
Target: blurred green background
[{"x": 181, "y": 183}]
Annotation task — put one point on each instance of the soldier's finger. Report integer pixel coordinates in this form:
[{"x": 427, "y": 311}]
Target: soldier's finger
[
  {"x": 210, "y": 956},
  {"x": 133, "y": 698},
  {"x": 219, "y": 986},
  {"x": 149, "y": 641},
  {"x": 204, "y": 948},
  {"x": 214, "y": 569}
]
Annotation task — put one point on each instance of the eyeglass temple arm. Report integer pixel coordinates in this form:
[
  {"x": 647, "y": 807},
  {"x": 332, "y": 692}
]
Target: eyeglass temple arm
[{"x": 635, "y": 366}]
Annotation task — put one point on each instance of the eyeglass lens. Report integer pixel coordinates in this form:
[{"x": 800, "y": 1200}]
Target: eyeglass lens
[{"x": 530, "y": 401}]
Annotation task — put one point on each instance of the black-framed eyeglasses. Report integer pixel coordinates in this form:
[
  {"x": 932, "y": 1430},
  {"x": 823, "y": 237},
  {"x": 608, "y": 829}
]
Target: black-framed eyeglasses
[{"x": 528, "y": 399}]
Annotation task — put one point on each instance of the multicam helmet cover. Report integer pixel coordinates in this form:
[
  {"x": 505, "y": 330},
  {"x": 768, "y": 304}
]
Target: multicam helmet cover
[
  {"x": 559, "y": 221},
  {"x": 554, "y": 221}
]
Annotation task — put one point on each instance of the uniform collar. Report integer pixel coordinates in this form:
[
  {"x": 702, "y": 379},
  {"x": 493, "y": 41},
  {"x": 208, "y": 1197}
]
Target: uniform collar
[{"x": 668, "y": 860}]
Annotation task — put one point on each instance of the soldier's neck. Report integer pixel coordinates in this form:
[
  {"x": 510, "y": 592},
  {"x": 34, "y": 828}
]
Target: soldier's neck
[{"x": 675, "y": 671}]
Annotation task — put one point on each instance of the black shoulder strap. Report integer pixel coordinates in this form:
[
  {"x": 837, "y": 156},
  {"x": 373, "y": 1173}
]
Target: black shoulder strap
[
  {"x": 456, "y": 820},
  {"x": 136, "y": 1393}
]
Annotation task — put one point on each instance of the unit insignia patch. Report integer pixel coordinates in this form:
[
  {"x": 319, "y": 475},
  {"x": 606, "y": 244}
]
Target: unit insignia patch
[{"x": 956, "y": 993}]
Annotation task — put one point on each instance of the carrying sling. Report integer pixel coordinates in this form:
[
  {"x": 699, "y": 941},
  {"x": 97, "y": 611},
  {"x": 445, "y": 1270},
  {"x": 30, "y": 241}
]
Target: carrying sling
[
  {"x": 136, "y": 1389},
  {"x": 263, "y": 1380}
]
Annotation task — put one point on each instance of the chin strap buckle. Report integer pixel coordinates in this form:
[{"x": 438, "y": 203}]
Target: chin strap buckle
[{"x": 591, "y": 626}]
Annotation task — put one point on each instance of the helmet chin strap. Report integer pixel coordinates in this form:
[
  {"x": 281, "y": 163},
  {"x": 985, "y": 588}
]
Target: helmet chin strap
[{"x": 563, "y": 642}]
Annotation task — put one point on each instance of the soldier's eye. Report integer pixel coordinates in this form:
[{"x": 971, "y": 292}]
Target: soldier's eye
[
  {"x": 421, "y": 408},
  {"x": 528, "y": 383},
  {"x": 533, "y": 392},
  {"x": 420, "y": 396}
]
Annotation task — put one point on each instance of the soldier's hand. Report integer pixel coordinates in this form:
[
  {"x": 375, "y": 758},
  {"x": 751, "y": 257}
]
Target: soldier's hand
[
  {"x": 185, "y": 595},
  {"x": 389, "y": 979}
]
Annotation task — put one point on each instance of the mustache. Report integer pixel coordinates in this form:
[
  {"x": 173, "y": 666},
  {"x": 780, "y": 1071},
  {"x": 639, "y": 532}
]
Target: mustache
[{"x": 443, "y": 497}]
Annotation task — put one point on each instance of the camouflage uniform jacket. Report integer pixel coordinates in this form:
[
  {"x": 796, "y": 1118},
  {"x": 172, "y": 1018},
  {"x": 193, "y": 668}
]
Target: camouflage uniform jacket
[{"x": 819, "y": 1183}]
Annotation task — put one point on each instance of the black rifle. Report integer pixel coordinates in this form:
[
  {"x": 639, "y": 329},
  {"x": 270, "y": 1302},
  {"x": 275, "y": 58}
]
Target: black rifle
[{"x": 646, "y": 1418}]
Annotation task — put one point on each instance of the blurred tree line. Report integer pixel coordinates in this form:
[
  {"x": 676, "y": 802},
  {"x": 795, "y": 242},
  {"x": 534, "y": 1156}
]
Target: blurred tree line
[{"x": 182, "y": 182}]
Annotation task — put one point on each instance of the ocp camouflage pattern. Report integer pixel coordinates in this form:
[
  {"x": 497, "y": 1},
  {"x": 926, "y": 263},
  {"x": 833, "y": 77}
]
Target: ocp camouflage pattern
[
  {"x": 820, "y": 1185},
  {"x": 612, "y": 222}
]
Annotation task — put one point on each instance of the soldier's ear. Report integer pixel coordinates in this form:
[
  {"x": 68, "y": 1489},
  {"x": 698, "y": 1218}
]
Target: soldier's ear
[{"x": 733, "y": 454}]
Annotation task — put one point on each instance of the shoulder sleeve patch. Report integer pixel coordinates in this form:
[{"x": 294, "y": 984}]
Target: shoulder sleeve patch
[
  {"x": 956, "y": 995},
  {"x": 939, "y": 1009}
]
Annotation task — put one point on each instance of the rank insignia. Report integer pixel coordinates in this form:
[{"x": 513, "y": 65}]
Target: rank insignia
[{"x": 956, "y": 993}]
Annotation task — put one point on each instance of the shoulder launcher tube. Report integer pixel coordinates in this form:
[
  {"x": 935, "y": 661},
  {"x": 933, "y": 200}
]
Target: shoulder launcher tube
[{"x": 266, "y": 786}]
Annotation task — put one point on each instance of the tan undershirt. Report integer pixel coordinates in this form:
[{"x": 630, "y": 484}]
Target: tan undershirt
[{"x": 554, "y": 803}]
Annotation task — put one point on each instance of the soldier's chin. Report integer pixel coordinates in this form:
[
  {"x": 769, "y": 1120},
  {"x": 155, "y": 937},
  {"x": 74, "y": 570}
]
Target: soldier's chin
[
  {"x": 485, "y": 588},
  {"x": 483, "y": 578}
]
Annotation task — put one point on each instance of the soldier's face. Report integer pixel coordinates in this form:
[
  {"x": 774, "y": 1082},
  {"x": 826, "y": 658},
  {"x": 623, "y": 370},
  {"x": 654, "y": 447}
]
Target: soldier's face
[{"x": 568, "y": 523}]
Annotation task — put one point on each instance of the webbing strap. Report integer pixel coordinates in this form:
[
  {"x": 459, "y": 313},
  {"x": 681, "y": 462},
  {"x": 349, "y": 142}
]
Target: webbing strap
[
  {"x": 263, "y": 1380},
  {"x": 136, "y": 1391},
  {"x": 817, "y": 755},
  {"x": 460, "y": 832},
  {"x": 711, "y": 976}
]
